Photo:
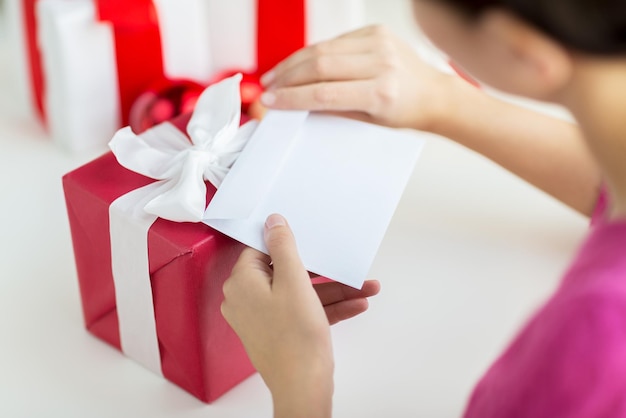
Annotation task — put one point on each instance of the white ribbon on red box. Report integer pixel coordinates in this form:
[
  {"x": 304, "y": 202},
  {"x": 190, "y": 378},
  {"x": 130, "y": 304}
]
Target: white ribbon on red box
[{"x": 181, "y": 165}]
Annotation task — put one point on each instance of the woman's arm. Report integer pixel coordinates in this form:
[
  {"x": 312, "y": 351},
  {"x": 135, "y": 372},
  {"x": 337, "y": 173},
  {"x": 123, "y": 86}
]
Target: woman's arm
[
  {"x": 548, "y": 153},
  {"x": 371, "y": 75},
  {"x": 284, "y": 322}
]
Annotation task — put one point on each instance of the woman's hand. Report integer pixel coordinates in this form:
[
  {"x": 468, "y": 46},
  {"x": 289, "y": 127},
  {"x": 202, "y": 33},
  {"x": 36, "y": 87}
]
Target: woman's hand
[
  {"x": 368, "y": 74},
  {"x": 343, "y": 302},
  {"x": 277, "y": 313}
]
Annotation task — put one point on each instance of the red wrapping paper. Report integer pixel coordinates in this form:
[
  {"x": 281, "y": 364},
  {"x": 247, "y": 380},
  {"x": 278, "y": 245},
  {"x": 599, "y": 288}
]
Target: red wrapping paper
[{"x": 188, "y": 266}]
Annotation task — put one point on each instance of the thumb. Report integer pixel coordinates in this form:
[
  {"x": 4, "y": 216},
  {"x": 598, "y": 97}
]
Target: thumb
[{"x": 281, "y": 245}]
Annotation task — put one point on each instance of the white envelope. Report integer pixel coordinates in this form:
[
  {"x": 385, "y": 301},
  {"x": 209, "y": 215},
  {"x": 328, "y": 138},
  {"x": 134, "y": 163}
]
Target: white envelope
[{"x": 337, "y": 181}]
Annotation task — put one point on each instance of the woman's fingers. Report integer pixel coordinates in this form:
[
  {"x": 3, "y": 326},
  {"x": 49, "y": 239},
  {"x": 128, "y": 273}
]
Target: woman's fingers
[
  {"x": 347, "y": 309},
  {"x": 251, "y": 273},
  {"x": 349, "y": 44},
  {"x": 357, "y": 96},
  {"x": 339, "y": 67},
  {"x": 330, "y": 293},
  {"x": 369, "y": 73},
  {"x": 355, "y": 55},
  {"x": 282, "y": 248},
  {"x": 315, "y": 56},
  {"x": 252, "y": 261}
]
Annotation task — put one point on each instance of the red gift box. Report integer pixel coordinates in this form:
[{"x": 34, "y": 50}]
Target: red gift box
[{"x": 188, "y": 265}]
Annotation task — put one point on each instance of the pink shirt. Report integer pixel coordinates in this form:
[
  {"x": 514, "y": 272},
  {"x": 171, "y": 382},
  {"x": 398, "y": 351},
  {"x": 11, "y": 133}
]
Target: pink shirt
[{"x": 570, "y": 358}]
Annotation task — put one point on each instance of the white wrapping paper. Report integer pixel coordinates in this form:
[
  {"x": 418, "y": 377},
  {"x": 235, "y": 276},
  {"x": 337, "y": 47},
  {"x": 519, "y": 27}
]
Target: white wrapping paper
[{"x": 82, "y": 95}]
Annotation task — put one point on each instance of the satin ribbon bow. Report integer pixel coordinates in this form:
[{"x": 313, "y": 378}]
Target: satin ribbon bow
[{"x": 164, "y": 153}]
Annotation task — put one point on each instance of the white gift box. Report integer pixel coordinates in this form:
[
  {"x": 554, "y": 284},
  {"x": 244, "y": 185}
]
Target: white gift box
[
  {"x": 82, "y": 92},
  {"x": 233, "y": 28}
]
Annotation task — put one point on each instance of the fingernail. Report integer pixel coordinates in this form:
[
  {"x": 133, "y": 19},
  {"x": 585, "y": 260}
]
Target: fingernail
[
  {"x": 275, "y": 220},
  {"x": 268, "y": 98},
  {"x": 268, "y": 78}
]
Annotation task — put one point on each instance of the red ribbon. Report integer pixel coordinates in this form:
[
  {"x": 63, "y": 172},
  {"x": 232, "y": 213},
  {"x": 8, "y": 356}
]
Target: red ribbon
[
  {"x": 281, "y": 30},
  {"x": 137, "y": 47},
  {"x": 34, "y": 57}
]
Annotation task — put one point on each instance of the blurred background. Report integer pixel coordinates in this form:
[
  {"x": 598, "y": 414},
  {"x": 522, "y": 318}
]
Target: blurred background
[{"x": 470, "y": 253}]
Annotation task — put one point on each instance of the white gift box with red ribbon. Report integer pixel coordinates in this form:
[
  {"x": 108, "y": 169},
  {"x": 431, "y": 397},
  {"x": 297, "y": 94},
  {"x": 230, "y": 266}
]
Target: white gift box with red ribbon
[
  {"x": 83, "y": 90},
  {"x": 237, "y": 28}
]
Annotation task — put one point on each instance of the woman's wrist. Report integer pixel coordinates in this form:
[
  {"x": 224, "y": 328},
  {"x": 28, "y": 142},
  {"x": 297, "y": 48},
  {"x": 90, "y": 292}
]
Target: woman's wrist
[
  {"x": 449, "y": 106},
  {"x": 306, "y": 393}
]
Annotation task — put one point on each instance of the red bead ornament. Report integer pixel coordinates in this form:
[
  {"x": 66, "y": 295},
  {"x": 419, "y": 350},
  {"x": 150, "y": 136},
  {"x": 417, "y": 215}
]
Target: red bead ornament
[{"x": 164, "y": 101}]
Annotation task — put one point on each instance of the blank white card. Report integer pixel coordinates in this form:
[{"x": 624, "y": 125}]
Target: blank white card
[{"x": 336, "y": 180}]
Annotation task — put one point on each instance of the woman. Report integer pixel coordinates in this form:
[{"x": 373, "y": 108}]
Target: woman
[{"x": 569, "y": 360}]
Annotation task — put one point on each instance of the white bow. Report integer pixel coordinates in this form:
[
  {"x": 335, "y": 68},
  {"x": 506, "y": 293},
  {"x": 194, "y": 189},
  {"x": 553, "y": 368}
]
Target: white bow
[{"x": 165, "y": 153}]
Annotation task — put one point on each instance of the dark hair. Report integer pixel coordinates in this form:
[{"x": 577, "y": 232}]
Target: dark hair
[{"x": 592, "y": 26}]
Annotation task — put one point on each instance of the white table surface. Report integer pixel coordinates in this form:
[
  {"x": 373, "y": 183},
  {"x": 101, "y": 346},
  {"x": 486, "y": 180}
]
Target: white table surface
[{"x": 470, "y": 253}]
